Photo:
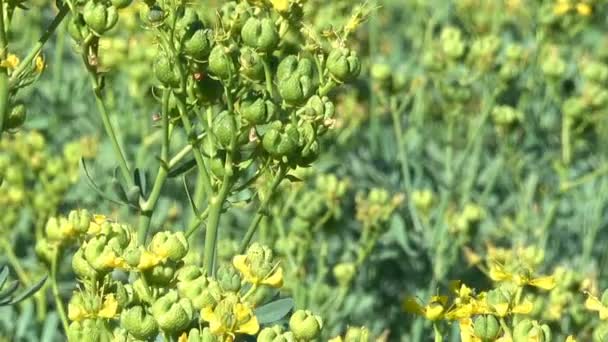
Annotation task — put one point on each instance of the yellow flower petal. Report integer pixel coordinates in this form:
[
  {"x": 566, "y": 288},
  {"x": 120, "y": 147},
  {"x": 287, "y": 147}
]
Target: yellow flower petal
[
  {"x": 251, "y": 327},
  {"x": 434, "y": 311},
  {"x": 148, "y": 260},
  {"x": 570, "y": 338},
  {"x": 561, "y": 8},
  {"x": 280, "y": 5},
  {"x": 207, "y": 314},
  {"x": 76, "y": 312},
  {"x": 545, "y": 283},
  {"x": 411, "y": 305},
  {"x": 583, "y": 9},
  {"x": 275, "y": 279},
  {"x": 498, "y": 273},
  {"x": 523, "y": 308},
  {"x": 593, "y": 304},
  {"x": 109, "y": 308},
  {"x": 240, "y": 263},
  {"x": 183, "y": 337},
  {"x": 501, "y": 309}
]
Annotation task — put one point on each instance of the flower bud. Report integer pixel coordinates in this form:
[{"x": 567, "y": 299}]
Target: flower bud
[
  {"x": 281, "y": 140},
  {"x": 381, "y": 73},
  {"x": 173, "y": 246},
  {"x": 252, "y": 66},
  {"x": 343, "y": 64},
  {"x": 100, "y": 255},
  {"x": 198, "y": 42},
  {"x": 166, "y": 70},
  {"x": 486, "y": 327},
  {"x": 16, "y": 117},
  {"x": 171, "y": 313},
  {"x": 451, "y": 42},
  {"x": 224, "y": 128},
  {"x": 221, "y": 63},
  {"x": 82, "y": 268},
  {"x": 257, "y": 111},
  {"x": 80, "y": 220},
  {"x": 305, "y": 325},
  {"x": 99, "y": 17},
  {"x": 195, "y": 335},
  {"x": 356, "y": 334},
  {"x": 228, "y": 278},
  {"x": 344, "y": 273},
  {"x": 139, "y": 323},
  {"x": 46, "y": 250},
  {"x": 275, "y": 334},
  {"x": 77, "y": 28},
  {"x": 295, "y": 79},
  {"x": 260, "y": 34}
]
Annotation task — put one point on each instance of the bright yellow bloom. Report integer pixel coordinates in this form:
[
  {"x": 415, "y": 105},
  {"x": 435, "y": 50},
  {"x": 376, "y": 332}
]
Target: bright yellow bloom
[
  {"x": 570, "y": 338},
  {"x": 274, "y": 278},
  {"x": 562, "y": 7},
  {"x": 467, "y": 333},
  {"x": 148, "y": 260},
  {"x": 594, "y": 304},
  {"x": 109, "y": 309},
  {"x": 39, "y": 63},
  {"x": 11, "y": 61},
  {"x": 433, "y": 311},
  {"x": 583, "y": 9},
  {"x": 95, "y": 225},
  {"x": 280, "y": 5},
  {"x": 229, "y": 317}
]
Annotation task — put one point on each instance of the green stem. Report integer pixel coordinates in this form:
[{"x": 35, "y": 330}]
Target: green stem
[
  {"x": 438, "y": 337},
  {"x": 268, "y": 76},
  {"x": 215, "y": 208},
  {"x": 262, "y": 209},
  {"x": 566, "y": 140},
  {"x": 506, "y": 329},
  {"x": 4, "y": 84},
  {"x": 15, "y": 263},
  {"x": 147, "y": 208},
  {"x": 35, "y": 50},
  {"x": 55, "y": 288},
  {"x": 101, "y": 107},
  {"x": 196, "y": 223}
]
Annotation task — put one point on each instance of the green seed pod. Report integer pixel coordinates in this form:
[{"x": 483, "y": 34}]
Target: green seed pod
[
  {"x": 319, "y": 107},
  {"x": 260, "y": 34},
  {"x": 45, "y": 250},
  {"x": 275, "y": 334},
  {"x": 382, "y": 73},
  {"x": 198, "y": 42},
  {"x": 152, "y": 15},
  {"x": 139, "y": 323},
  {"x": 221, "y": 63},
  {"x": 161, "y": 275},
  {"x": 99, "y": 17},
  {"x": 305, "y": 325},
  {"x": 526, "y": 330},
  {"x": 451, "y": 42},
  {"x": 82, "y": 268},
  {"x": 16, "y": 117},
  {"x": 486, "y": 327},
  {"x": 120, "y": 4},
  {"x": 257, "y": 111},
  {"x": 344, "y": 273},
  {"x": 132, "y": 255},
  {"x": 99, "y": 254},
  {"x": 309, "y": 146},
  {"x": 80, "y": 220},
  {"x": 224, "y": 128},
  {"x": 343, "y": 64},
  {"x": 166, "y": 70},
  {"x": 281, "y": 140},
  {"x": 295, "y": 79},
  {"x": 171, "y": 313},
  {"x": 252, "y": 66},
  {"x": 195, "y": 335},
  {"x": 187, "y": 19},
  {"x": 228, "y": 278},
  {"x": 202, "y": 292},
  {"x": 173, "y": 246},
  {"x": 77, "y": 28},
  {"x": 93, "y": 330}
]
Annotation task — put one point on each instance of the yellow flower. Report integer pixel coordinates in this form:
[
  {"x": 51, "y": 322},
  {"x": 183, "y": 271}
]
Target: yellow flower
[
  {"x": 274, "y": 278},
  {"x": 433, "y": 311},
  {"x": 39, "y": 64},
  {"x": 467, "y": 333},
  {"x": 583, "y": 9},
  {"x": 148, "y": 260},
  {"x": 95, "y": 225},
  {"x": 280, "y": 5},
  {"x": 498, "y": 273},
  {"x": 545, "y": 283},
  {"x": 594, "y": 304},
  {"x": 561, "y": 7},
  {"x": 109, "y": 309},
  {"x": 11, "y": 61},
  {"x": 570, "y": 338},
  {"x": 336, "y": 339},
  {"x": 229, "y": 317}
]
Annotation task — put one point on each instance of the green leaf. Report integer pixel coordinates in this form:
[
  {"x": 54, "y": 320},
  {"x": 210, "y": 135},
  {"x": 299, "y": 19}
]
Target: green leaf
[
  {"x": 274, "y": 311},
  {"x": 3, "y": 275},
  {"x": 182, "y": 168},
  {"x": 29, "y": 292}
]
